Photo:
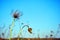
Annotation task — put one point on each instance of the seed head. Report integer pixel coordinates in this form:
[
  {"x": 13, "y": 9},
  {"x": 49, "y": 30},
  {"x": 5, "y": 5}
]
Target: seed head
[
  {"x": 30, "y": 30},
  {"x": 16, "y": 15}
]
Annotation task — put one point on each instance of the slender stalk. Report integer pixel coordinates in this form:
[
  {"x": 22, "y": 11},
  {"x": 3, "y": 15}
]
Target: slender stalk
[
  {"x": 20, "y": 33},
  {"x": 11, "y": 29},
  {"x": 24, "y": 26},
  {"x": 18, "y": 37}
]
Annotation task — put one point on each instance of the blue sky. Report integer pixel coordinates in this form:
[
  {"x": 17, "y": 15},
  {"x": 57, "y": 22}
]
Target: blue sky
[{"x": 41, "y": 15}]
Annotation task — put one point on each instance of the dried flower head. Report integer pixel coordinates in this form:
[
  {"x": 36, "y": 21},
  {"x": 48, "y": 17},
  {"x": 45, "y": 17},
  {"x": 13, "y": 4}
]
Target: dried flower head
[
  {"x": 16, "y": 15},
  {"x": 2, "y": 34},
  {"x": 46, "y": 36},
  {"x": 51, "y": 35},
  {"x": 52, "y": 32},
  {"x": 30, "y": 30}
]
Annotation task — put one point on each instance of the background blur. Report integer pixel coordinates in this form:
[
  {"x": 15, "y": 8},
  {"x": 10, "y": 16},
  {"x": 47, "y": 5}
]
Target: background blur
[{"x": 41, "y": 15}]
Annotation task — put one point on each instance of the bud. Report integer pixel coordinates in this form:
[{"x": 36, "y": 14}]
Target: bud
[{"x": 30, "y": 30}]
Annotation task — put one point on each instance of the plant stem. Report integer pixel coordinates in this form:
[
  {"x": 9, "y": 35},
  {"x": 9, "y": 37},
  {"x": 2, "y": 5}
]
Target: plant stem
[
  {"x": 11, "y": 29},
  {"x": 20, "y": 33}
]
